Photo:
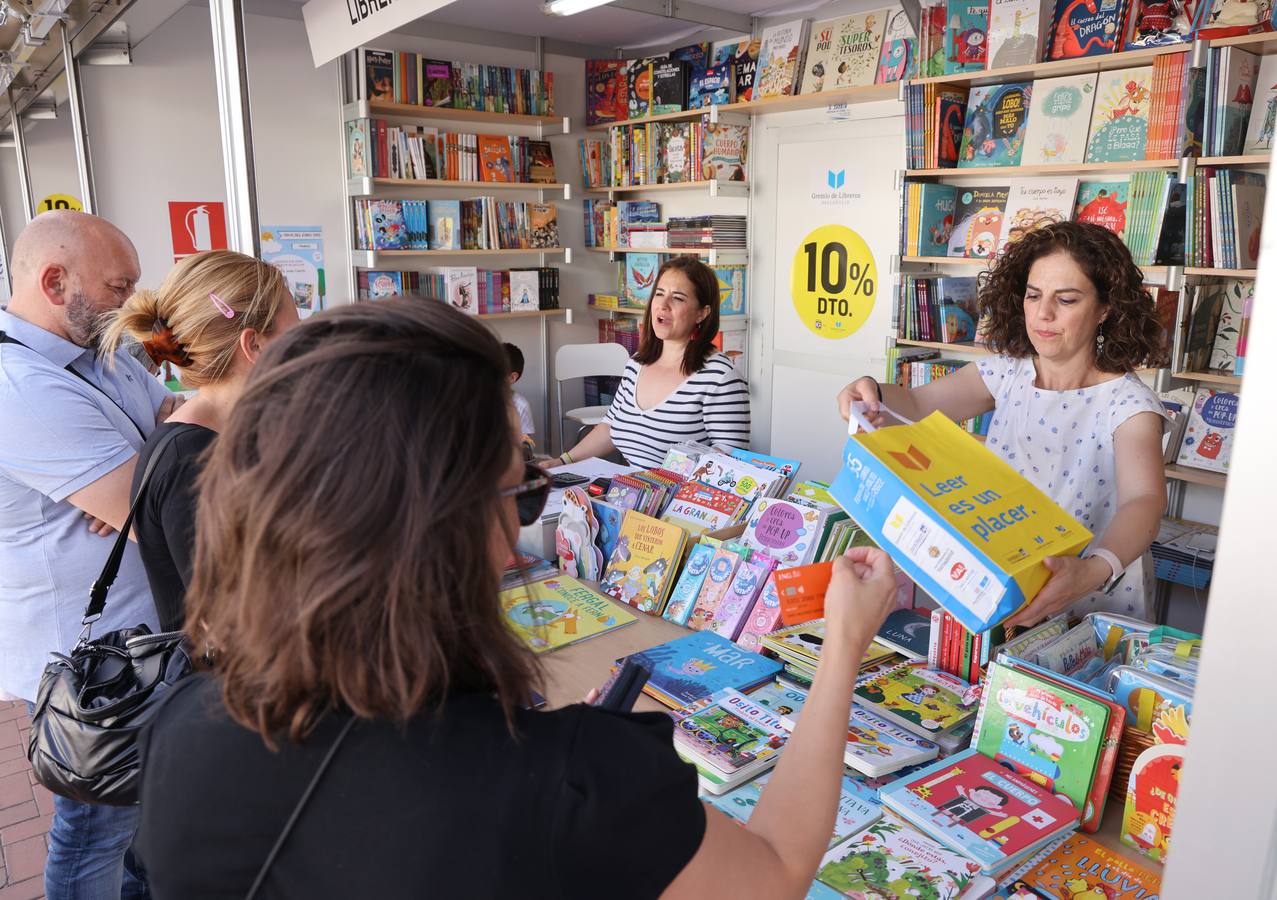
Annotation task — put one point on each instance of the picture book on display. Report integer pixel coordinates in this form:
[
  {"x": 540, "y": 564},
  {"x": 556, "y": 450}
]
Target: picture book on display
[
  {"x": 899, "y": 58},
  {"x": 1237, "y": 294},
  {"x": 858, "y": 804},
  {"x": 993, "y": 131},
  {"x": 1018, "y": 31},
  {"x": 977, "y": 219},
  {"x": 907, "y": 631},
  {"x": 605, "y": 95},
  {"x": 669, "y": 86},
  {"x": 559, "y": 611},
  {"x": 843, "y": 52},
  {"x": 728, "y": 618},
  {"x": 691, "y": 581},
  {"x": 892, "y": 861},
  {"x": 1059, "y": 120},
  {"x": 965, "y": 38},
  {"x": 935, "y": 209},
  {"x": 724, "y": 151},
  {"x": 1086, "y": 28},
  {"x": 1103, "y": 203},
  {"x": 778, "y": 59},
  {"x": 494, "y": 158},
  {"x": 1081, "y": 867},
  {"x": 1119, "y": 119},
  {"x": 1032, "y": 203},
  {"x": 1208, "y": 439},
  {"x": 644, "y": 562},
  {"x": 801, "y": 645},
  {"x": 722, "y": 569},
  {"x": 875, "y": 747},
  {"x": 700, "y": 508},
  {"x": 981, "y": 809},
  {"x": 730, "y": 474},
  {"x": 919, "y": 699},
  {"x": 786, "y": 530},
  {"x": 698, "y": 665},
  {"x": 729, "y": 739},
  {"x": 1263, "y": 110}
]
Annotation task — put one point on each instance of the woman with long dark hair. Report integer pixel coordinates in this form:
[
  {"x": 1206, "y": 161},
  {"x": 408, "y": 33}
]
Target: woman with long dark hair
[
  {"x": 354, "y": 519},
  {"x": 678, "y": 387},
  {"x": 1069, "y": 321}
]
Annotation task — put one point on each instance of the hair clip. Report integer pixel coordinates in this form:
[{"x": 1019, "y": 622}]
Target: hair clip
[
  {"x": 221, "y": 306},
  {"x": 165, "y": 347}
]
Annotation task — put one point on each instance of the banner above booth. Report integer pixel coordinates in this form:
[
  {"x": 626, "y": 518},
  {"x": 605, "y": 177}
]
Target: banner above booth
[{"x": 337, "y": 26}]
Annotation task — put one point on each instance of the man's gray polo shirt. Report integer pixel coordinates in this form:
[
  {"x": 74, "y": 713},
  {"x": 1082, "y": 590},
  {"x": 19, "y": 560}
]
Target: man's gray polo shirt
[{"x": 58, "y": 435}]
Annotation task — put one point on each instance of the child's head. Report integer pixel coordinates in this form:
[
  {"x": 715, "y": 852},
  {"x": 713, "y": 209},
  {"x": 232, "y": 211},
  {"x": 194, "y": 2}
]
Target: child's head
[
  {"x": 515, "y": 356},
  {"x": 989, "y": 797}
]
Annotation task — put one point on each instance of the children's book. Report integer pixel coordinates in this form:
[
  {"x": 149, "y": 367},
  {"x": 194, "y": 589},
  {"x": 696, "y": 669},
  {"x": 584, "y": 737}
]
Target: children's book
[
  {"x": 1208, "y": 439},
  {"x": 695, "y": 666},
  {"x": 1017, "y": 31},
  {"x": 525, "y": 290},
  {"x": 388, "y": 229},
  {"x": 993, "y": 130},
  {"x": 1032, "y": 203},
  {"x": 724, "y": 151},
  {"x": 700, "y": 508},
  {"x": 690, "y": 582},
  {"x": 847, "y": 51},
  {"x": 763, "y": 618},
  {"x": 541, "y": 163},
  {"x": 605, "y": 91},
  {"x": 638, "y": 88},
  {"x": 1247, "y": 218},
  {"x": 559, "y": 611},
  {"x": 907, "y": 631},
  {"x": 576, "y": 537},
  {"x": 731, "y": 289},
  {"x": 729, "y": 617},
  {"x": 875, "y": 747},
  {"x": 610, "y": 518},
  {"x": 463, "y": 288},
  {"x": 669, "y": 86},
  {"x": 1237, "y": 292},
  {"x": 935, "y": 218},
  {"x": 922, "y": 700},
  {"x": 640, "y": 277},
  {"x": 1119, "y": 119},
  {"x": 436, "y": 82},
  {"x": 729, "y": 738},
  {"x": 898, "y": 60},
  {"x": 786, "y": 467},
  {"x": 495, "y": 163},
  {"x": 445, "y": 224},
  {"x": 959, "y": 309},
  {"x": 803, "y": 643},
  {"x": 745, "y": 67},
  {"x": 1025, "y": 644},
  {"x": 722, "y": 568},
  {"x": 965, "y": 38},
  {"x": 858, "y": 805},
  {"x": 818, "y": 65},
  {"x": 1049, "y": 734},
  {"x": 1103, "y": 203},
  {"x": 1069, "y": 652},
  {"x": 358, "y": 147},
  {"x": 978, "y": 221},
  {"x": 644, "y": 562},
  {"x": 1059, "y": 120},
  {"x": 1263, "y": 111},
  {"x": 892, "y": 861},
  {"x": 1086, "y": 28},
  {"x": 778, "y": 59},
  {"x": 981, "y": 809},
  {"x": 730, "y": 474},
  {"x": 1082, "y": 867},
  {"x": 784, "y": 529}
]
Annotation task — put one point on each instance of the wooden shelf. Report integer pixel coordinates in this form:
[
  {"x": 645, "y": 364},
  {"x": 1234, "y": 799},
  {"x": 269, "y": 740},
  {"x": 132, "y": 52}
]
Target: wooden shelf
[
  {"x": 371, "y": 259},
  {"x": 1222, "y": 273},
  {"x": 413, "y": 111},
  {"x": 525, "y": 314},
  {"x": 1223, "y": 378},
  {"x": 1065, "y": 169},
  {"x": 1255, "y": 160},
  {"x": 483, "y": 186},
  {"x": 1176, "y": 472},
  {"x": 947, "y": 260},
  {"x": 977, "y": 349},
  {"x": 1081, "y": 66},
  {"x": 715, "y": 188},
  {"x": 867, "y": 94},
  {"x": 1249, "y": 40},
  {"x": 623, "y": 311},
  {"x": 671, "y": 251}
]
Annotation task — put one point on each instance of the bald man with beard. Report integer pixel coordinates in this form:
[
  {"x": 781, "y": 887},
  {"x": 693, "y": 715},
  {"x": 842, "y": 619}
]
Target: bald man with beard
[{"x": 71, "y": 425}]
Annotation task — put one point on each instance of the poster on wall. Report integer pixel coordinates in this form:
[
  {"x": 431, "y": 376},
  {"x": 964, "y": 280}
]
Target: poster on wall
[
  {"x": 196, "y": 226},
  {"x": 298, "y": 252},
  {"x": 59, "y": 201}
]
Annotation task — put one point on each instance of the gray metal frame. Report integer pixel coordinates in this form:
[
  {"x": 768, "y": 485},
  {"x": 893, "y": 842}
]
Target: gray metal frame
[
  {"x": 231, "y": 71},
  {"x": 79, "y": 129},
  {"x": 24, "y": 171}
]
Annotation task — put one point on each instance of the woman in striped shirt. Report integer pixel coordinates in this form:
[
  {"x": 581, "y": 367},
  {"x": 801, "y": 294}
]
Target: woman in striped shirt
[{"x": 677, "y": 387}]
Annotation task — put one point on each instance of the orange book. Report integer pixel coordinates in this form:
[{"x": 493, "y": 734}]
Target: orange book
[
  {"x": 801, "y": 591},
  {"x": 1080, "y": 867},
  {"x": 494, "y": 158}
]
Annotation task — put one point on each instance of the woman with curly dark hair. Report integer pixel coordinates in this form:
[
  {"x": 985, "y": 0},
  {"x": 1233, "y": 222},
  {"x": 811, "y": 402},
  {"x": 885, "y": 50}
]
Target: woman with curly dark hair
[{"x": 1068, "y": 321}]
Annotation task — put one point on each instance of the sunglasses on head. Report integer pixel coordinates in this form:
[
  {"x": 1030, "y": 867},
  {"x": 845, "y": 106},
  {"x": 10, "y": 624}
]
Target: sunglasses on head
[{"x": 530, "y": 494}]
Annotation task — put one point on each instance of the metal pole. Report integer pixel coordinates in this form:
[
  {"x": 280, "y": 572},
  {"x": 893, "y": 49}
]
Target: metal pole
[
  {"x": 20, "y": 148},
  {"x": 79, "y": 130},
  {"x": 231, "y": 69}
]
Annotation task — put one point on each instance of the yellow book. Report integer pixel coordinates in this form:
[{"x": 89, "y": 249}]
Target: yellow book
[
  {"x": 559, "y": 611},
  {"x": 644, "y": 562}
]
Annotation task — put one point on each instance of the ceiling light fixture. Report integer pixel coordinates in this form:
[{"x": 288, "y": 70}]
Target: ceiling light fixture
[{"x": 571, "y": 7}]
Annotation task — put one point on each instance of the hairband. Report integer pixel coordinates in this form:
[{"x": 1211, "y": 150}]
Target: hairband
[
  {"x": 165, "y": 347},
  {"x": 222, "y": 306}
]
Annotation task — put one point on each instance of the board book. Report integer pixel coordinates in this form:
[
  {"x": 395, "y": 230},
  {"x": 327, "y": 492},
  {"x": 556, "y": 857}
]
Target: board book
[
  {"x": 891, "y": 861},
  {"x": 722, "y": 569},
  {"x": 644, "y": 562},
  {"x": 1208, "y": 438},
  {"x": 981, "y": 809},
  {"x": 763, "y": 618},
  {"x": 788, "y": 531},
  {"x": 1059, "y": 120},
  {"x": 1081, "y": 867},
  {"x": 922, "y": 700},
  {"x": 875, "y": 747},
  {"x": 559, "y": 611},
  {"x": 858, "y": 804},
  {"x": 700, "y": 508},
  {"x": 729, "y": 617},
  {"x": 697, "y": 665},
  {"x": 729, "y": 739},
  {"x": 802, "y": 645},
  {"x": 907, "y": 631}
]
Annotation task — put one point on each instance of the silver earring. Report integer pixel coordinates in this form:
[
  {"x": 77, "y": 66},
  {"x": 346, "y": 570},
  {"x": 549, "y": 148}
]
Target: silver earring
[{"x": 1099, "y": 343}]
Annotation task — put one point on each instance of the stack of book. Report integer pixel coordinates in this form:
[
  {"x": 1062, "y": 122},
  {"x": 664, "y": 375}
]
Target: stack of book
[
  {"x": 912, "y": 370},
  {"x": 557, "y": 611},
  {"x": 665, "y": 153},
  {"x": 957, "y": 651},
  {"x": 482, "y": 223},
  {"x": 729, "y": 738},
  {"x": 380, "y": 150},
  {"x": 706, "y": 231},
  {"x": 935, "y": 705},
  {"x": 696, "y": 666},
  {"x": 799, "y": 648},
  {"x": 1224, "y": 211},
  {"x": 938, "y": 308},
  {"x": 626, "y": 331},
  {"x": 411, "y": 78}
]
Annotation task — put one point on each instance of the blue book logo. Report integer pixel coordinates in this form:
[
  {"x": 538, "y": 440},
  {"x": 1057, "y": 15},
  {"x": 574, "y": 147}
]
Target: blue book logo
[{"x": 836, "y": 179}]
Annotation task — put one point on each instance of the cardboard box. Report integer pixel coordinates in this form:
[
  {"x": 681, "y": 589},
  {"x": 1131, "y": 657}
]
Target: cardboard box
[{"x": 957, "y": 519}]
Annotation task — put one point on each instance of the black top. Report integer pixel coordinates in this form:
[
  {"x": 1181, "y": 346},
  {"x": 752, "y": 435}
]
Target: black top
[
  {"x": 586, "y": 803},
  {"x": 165, "y": 525}
]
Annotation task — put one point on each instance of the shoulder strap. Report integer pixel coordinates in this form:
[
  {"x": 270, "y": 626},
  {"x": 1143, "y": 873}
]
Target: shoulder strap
[
  {"x": 6, "y": 339},
  {"x": 97, "y": 593},
  {"x": 297, "y": 810}
]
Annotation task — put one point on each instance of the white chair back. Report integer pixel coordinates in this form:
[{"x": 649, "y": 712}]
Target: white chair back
[{"x": 582, "y": 360}]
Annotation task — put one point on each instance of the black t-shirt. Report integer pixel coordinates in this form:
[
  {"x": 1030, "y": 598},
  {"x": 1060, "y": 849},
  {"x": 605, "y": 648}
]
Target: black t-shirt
[
  {"x": 165, "y": 525},
  {"x": 584, "y": 804}
]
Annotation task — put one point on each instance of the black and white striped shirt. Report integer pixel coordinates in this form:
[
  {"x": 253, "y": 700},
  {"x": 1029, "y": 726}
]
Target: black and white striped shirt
[{"x": 711, "y": 407}]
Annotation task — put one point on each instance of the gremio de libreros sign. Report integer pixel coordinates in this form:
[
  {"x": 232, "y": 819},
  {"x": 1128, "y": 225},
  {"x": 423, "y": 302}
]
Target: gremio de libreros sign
[{"x": 336, "y": 26}]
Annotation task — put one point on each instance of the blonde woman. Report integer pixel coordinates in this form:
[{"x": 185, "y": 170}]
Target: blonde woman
[{"x": 212, "y": 317}]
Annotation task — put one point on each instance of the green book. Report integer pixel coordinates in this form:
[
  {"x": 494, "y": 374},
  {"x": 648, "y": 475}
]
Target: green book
[{"x": 1049, "y": 734}]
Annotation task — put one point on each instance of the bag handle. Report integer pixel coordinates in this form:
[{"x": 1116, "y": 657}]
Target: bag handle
[
  {"x": 297, "y": 810},
  {"x": 97, "y": 593}
]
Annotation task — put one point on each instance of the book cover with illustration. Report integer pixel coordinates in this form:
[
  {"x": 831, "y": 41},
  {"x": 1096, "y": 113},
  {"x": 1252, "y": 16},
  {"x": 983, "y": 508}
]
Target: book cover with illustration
[
  {"x": 1119, "y": 120},
  {"x": 436, "y": 82},
  {"x": 853, "y": 61},
  {"x": 1237, "y": 293},
  {"x": 379, "y": 74},
  {"x": 689, "y": 584},
  {"x": 965, "y": 38},
  {"x": 724, "y": 151},
  {"x": 722, "y": 569},
  {"x": 462, "y": 288},
  {"x": 993, "y": 130},
  {"x": 818, "y": 70},
  {"x": 778, "y": 59},
  {"x": 731, "y": 289},
  {"x": 700, "y": 508},
  {"x": 729, "y": 616},
  {"x": 610, "y": 519},
  {"x": 1017, "y": 31},
  {"x": 1085, "y": 28},
  {"x": 387, "y": 224},
  {"x": 981, "y": 809},
  {"x": 745, "y": 67},
  {"x": 541, "y": 163},
  {"x": 935, "y": 218},
  {"x": 559, "y": 611},
  {"x": 728, "y": 734},
  {"x": 907, "y": 631},
  {"x": 730, "y": 474},
  {"x": 891, "y": 861},
  {"x": 1263, "y": 110},
  {"x": 445, "y": 224},
  {"x": 781, "y": 697},
  {"x": 858, "y": 805},
  {"x": 543, "y": 225},
  {"x": 1049, "y": 734},
  {"x": 1032, "y": 203},
  {"x": 788, "y": 531},
  {"x": 605, "y": 91},
  {"x": 1103, "y": 203},
  {"x": 1083, "y": 868},
  {"x": 977, "y": 220},
  {"x": 644, "y": 562},
  {"x": 763, "y": 618},
  {"x": 1208, "y": 438},
  {"x": 875, "y": 747},
  {"x": 922, "y": 700},
  {"x": 698, "y": 665},
  {"x": 804, "y": 642},
  {"x": 1152, "y": 792},
  {"x": 495, "y": 162},
  {"x": 358, "y": 148},
  {"x": 1059, "y": 120},
  {"x": 669, "y": 85},
  {"x": 899, "y": 57},
  {"x": 640, "y": 277},
  {"x": 959, "y": 308}
]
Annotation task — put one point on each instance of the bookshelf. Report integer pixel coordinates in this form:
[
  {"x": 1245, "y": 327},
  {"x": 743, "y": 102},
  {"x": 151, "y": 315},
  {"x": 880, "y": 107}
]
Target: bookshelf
[
  {"x": 977, "y": 349},
  {"x": 1176, "y": 472},
  {"x": 1221, "y": 273},
  {"x": 1053, "y": 68},
  {"x": 1221, "y": 378},
  {"x": 544, "y": 125},
  {"x": 527, "y": 314},
  {"x": 1066, "y": 169},
  {"x": 713, "y": 188},
  {"x": 1264, "y": 42},
  {"x": 367, "y": 187},
  {"x": 1253, "y": 161},
  {"x": 371, "y": 259}
]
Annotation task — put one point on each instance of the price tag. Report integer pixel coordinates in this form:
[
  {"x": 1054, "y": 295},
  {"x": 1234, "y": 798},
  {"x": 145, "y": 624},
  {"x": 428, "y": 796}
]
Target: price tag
[
  {"x": 58, "y": 201},
  {"x": 834, "y": 281}
]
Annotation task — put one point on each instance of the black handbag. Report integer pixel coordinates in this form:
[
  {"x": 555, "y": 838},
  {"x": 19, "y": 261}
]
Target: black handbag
[{"x": 93, "y": 704}]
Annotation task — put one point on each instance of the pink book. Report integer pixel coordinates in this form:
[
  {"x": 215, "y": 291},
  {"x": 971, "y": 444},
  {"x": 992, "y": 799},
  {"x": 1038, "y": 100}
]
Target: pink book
[
  {"x": 729, "y": 618},
  {"x": 763, "y": 618},
  {"x": 721, "y": 569}
]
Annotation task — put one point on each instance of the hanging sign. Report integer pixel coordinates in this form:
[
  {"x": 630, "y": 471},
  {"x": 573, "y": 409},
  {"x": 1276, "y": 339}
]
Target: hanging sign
[
  {"x": 833, "y": 281},
  {"x": 196, "y": 226},
  {"x": 58, "y": 201},
  {"x": 338, "y": 26}
]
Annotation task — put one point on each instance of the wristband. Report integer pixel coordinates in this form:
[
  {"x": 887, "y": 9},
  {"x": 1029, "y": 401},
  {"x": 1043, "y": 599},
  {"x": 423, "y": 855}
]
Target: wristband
[
  {"x": 878, "y": 387},
  {"x": 1114, "y": 564},
  {"x": 565, "y": 458}
]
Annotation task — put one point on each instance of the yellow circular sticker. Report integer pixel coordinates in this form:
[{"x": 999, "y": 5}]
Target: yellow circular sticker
[
  {"x": 59, "y": 201},
  {"x": 834, "y": 281}
]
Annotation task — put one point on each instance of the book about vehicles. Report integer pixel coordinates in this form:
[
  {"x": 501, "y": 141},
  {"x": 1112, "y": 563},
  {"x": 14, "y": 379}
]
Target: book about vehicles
[
  {"x": 993, "y": 130},
  {"x": 697, "y": 665},
  {"x": 1059, "y": 120},
  {"x": 559, "y": 611},
  {"x": 892, "y": 861}
]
